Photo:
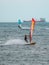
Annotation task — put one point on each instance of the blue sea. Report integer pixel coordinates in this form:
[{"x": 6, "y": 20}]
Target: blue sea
[{"x": 13, "y": 50}]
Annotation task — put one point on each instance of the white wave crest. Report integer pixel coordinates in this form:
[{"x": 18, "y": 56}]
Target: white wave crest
[{"x": 15, "y": 41}]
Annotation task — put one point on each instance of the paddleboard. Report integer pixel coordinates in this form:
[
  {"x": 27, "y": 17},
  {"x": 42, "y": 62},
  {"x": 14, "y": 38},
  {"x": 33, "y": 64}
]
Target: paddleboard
[{"x": 32, "y": 43}]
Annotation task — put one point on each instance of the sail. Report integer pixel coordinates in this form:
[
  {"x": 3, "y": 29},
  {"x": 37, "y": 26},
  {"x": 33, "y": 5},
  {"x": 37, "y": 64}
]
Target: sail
[{"x": 32, "y": 28}]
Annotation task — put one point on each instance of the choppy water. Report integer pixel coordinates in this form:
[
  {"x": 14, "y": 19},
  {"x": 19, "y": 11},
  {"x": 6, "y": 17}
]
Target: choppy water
[{"x": 13, "y": 50}]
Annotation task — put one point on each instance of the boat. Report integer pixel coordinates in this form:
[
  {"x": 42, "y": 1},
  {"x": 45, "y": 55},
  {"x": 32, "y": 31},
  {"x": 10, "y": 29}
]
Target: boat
[{"x": 41, "y": 20}]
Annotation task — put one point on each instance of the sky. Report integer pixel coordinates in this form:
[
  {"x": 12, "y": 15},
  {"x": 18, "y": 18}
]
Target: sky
[{"x": 11, "y": 10}]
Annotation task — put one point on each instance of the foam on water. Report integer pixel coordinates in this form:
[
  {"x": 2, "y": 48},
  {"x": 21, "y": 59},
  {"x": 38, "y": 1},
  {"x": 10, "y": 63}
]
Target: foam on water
[{"x": 15, "y": 41}]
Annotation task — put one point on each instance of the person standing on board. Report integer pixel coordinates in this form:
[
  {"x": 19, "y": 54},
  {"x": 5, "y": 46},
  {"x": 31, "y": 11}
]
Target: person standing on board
[{"x": 25, "y": 38}]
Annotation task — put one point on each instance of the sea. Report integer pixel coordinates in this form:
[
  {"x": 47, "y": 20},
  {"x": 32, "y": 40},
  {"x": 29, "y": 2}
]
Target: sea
[{"x": 13, "y": 48}]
